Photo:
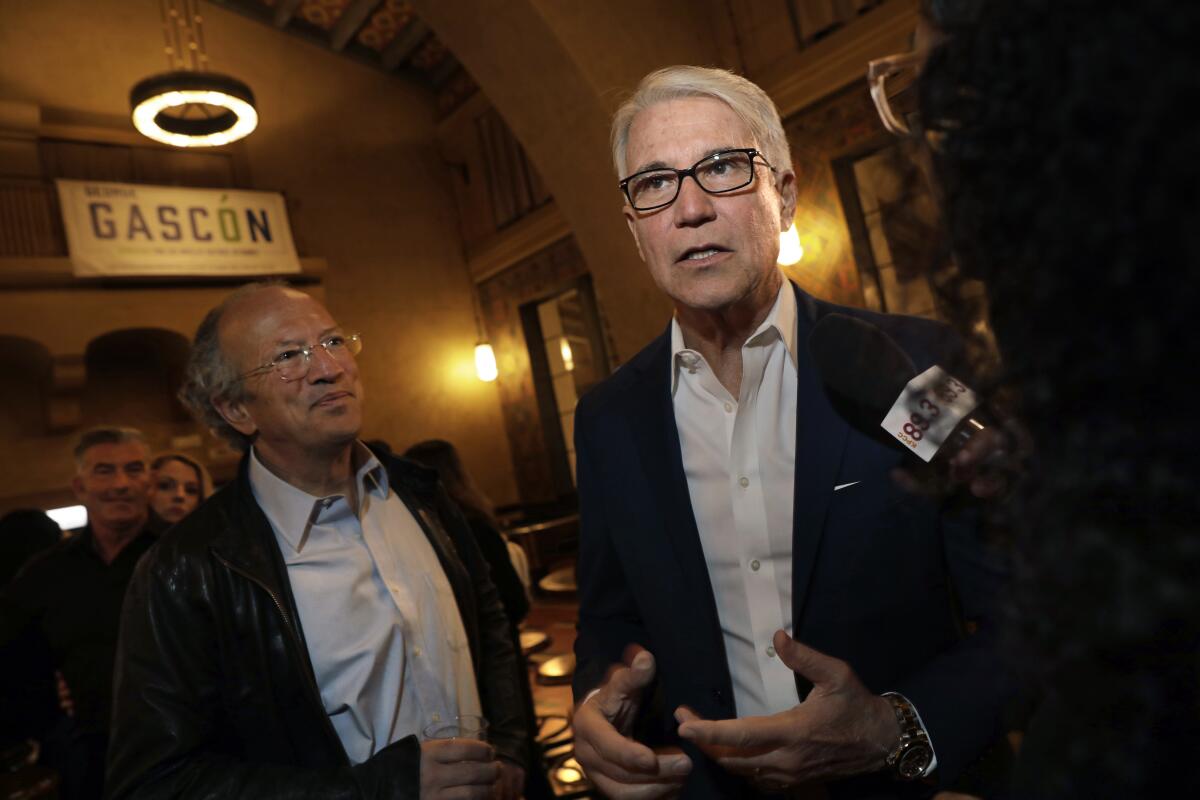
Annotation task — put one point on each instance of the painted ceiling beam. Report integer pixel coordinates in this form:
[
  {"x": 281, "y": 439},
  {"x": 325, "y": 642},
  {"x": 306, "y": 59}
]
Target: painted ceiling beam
[
  {"x": 349, "y": 22},
  {"x": 405, "y": 44},
  {"x": 284, "y": 10}
]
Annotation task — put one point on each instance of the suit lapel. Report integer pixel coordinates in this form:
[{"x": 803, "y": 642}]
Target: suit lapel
[
  {"x": 651, "y": 415},
  {"x": 820, "y": 442}
]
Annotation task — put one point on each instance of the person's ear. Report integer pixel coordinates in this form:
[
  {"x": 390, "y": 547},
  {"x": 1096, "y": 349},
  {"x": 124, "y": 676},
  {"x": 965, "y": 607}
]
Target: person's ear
[
  {"x": 786, "y": 184},
  {"x": 236, "y": 414}
]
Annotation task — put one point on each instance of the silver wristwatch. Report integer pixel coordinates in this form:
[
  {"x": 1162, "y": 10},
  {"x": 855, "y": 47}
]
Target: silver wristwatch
[{"x": 913, "y": 755}]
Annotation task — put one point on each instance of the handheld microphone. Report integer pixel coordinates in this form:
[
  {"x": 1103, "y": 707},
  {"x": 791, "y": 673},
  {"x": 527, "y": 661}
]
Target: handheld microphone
[{"x": 873, "y": 384}]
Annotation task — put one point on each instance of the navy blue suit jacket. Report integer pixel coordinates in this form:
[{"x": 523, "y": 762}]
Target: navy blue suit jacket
[{"x": 881, "y": 579}]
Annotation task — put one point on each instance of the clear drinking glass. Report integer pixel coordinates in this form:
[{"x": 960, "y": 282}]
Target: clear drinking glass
[{"x": 463, "y": 726}]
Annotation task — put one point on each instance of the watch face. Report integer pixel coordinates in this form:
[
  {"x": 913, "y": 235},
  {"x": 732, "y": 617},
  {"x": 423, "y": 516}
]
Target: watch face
[{"x": 914, "y": 760}]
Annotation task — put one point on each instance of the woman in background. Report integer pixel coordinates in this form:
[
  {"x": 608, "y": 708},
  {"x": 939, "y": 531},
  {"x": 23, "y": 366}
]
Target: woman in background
[
  {"x": 440, "y": 455},
  {"x": 180, "y": 485}
]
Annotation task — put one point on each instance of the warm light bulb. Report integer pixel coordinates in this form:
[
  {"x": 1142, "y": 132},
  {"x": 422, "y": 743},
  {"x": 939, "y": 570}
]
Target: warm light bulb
[
  {"x": 790, "y": 251},
  {"x": 564, "y": 347},
  {"x": 485, "y": 362}
]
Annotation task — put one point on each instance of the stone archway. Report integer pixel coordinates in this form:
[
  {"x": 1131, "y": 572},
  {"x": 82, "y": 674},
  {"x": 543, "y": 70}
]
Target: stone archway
[
  {"x": 26, "y": 369},
  {"x": 132, "y": 377},
  {"x": 556, "y": 72}
]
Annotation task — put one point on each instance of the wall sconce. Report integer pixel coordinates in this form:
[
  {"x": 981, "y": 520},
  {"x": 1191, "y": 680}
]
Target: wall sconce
[
  {"x": 568, "y": 358},
  {"x": 790, "y": 251},
  {"x": 485, "y": 362}
]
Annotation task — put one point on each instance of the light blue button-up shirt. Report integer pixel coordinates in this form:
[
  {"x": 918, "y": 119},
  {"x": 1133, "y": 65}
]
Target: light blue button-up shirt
[{"x": 380, "y": 620}]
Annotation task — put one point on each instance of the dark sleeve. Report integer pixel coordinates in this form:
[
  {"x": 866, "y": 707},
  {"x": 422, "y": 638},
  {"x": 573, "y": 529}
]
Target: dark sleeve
[
  {"x": 169, "y": 713},
  {"x": 962, "y": 694},
  {"x": 609, "y": 619},
  {"x": 22, "y": 603},
  {"x": 508, "y": 584},
  {"x": 498, "y": 666}
]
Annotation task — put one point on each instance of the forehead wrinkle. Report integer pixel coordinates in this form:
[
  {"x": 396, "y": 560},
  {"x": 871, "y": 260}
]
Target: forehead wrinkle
[
  {"x": 302, "y": 342},
  {"x": 683, "y": 124},
  {"x": 653, "y": 165}
]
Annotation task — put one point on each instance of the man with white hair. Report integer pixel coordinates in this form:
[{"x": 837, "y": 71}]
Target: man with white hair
[{"x": 762, "y": 608}]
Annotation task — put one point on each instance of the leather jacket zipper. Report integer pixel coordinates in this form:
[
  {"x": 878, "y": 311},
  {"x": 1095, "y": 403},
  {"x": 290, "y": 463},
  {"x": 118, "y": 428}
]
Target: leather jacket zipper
[{"x": 311, "y": 682}]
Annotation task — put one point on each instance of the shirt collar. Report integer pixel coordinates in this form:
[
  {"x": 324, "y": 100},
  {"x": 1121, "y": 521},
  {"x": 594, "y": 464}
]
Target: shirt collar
[
  {"x": 780, "y": 320},
  {"x": 293, "y": 510}
]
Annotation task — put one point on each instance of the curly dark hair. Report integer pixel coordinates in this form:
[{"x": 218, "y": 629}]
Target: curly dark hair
[{"x": 1069, "y": 168}]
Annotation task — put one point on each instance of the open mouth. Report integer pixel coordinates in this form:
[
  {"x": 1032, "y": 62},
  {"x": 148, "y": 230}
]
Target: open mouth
[{"x": 700, "y": 253}]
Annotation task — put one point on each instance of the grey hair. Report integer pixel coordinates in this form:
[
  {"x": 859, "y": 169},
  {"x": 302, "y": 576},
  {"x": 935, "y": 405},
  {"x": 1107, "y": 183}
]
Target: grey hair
[
  {"x": 108, "y": 434},
  {"x": 746, "y": 99},
  {"x": 210, "y": 375}
]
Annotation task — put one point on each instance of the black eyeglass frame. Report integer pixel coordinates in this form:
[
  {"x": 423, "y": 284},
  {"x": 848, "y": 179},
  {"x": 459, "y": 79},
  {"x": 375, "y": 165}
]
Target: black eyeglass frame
[
  {"x": 680, "y": 174},
  {"x": 307, "y": 351}
]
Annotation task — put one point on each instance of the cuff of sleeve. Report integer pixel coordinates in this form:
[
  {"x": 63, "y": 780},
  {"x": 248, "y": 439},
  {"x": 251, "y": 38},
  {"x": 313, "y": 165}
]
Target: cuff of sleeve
[
  {"x": 589, "y": 696},
  {"x": 393, "y": 772},
  {"x": 933, "y": 750}
]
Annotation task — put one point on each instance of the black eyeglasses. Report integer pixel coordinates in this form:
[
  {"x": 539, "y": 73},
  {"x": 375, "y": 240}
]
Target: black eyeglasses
[{"x": 726, "y": 171}]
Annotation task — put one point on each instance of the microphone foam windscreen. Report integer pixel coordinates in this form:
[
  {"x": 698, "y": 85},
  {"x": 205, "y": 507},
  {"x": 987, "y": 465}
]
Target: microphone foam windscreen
[{"x": 860, "y": 362}]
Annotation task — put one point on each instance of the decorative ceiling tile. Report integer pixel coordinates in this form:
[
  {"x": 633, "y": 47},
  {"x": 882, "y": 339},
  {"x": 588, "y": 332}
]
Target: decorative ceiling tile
[
  {"x": 386, "y": 23},
  {"x": 322, "y": 13},
  {"x": 432, "y": 53}
]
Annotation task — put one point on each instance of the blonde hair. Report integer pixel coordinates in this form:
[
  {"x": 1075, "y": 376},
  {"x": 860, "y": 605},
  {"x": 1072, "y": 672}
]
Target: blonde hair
[
  {"x": 205, "y": 480},
  {"x": 744, "y": 97}
]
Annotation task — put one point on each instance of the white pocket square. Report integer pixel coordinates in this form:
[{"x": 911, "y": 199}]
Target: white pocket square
[{"x": 841, "y": 486}]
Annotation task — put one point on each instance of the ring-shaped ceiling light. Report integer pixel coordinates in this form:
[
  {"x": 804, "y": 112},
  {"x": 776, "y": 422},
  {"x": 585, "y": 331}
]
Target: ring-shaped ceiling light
[{"x": 154, "y": 97}]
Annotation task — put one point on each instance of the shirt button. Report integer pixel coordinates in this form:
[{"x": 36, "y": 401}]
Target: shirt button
[
  {"x": 754, "y": 565},
  {"x": 729, "y": 408},
  {"x": 771, "y": 651},
  {"x": 417, "y": 652},
  {"x": 743, "y": 482}
]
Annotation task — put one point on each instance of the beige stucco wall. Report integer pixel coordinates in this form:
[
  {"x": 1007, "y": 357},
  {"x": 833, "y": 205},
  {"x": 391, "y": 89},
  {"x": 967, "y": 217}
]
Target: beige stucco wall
[{"x": 353, "y": 150}]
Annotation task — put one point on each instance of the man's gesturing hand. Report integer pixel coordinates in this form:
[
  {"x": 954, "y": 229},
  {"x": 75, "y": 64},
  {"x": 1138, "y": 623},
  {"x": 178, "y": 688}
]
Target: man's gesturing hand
[
  {"x": 458, "y": 769},
  {"x": 840, "y": 728},
  {"x": 620, "y": 767}
]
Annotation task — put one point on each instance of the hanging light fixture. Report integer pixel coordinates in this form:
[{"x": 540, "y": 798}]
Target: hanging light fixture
[{"x": 189, "y": 106}]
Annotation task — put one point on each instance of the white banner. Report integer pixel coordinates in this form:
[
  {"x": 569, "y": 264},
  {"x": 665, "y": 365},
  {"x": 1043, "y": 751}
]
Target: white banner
[{"x": 130, "y": 229}]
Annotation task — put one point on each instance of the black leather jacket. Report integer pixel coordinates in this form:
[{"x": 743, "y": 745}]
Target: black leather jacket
[{"x": 214, "y": 694}]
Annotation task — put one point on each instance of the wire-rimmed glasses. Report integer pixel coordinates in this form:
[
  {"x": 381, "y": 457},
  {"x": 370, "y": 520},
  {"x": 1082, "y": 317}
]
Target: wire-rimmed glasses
[
  {"x": 726, "y": 171},
  {"x": 293, "y": 363}
]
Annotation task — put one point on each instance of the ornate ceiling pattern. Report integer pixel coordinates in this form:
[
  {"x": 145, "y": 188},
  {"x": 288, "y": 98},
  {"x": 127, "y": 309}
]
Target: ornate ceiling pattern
[{"x": 386, "y": 34}]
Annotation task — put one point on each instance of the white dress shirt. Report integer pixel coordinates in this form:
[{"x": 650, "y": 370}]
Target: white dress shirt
[
  {"x": 739, "y": 456},
  {"x": 380, "y": 620}
]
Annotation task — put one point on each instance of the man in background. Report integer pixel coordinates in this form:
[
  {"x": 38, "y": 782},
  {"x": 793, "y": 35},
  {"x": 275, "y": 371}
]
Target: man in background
[{"x": 68, "y": 600}]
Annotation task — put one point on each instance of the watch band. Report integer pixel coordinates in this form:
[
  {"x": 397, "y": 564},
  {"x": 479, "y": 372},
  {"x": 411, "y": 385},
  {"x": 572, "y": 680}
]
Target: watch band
[{"x": 913, "y": 754}]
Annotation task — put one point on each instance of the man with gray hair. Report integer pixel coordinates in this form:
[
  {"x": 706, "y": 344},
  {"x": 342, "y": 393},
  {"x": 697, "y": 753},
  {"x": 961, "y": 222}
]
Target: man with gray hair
[
  {"x": 69, "y": 598},
  {"x": 296, "y": 634},
  {"x": 762, "y": 608}
]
